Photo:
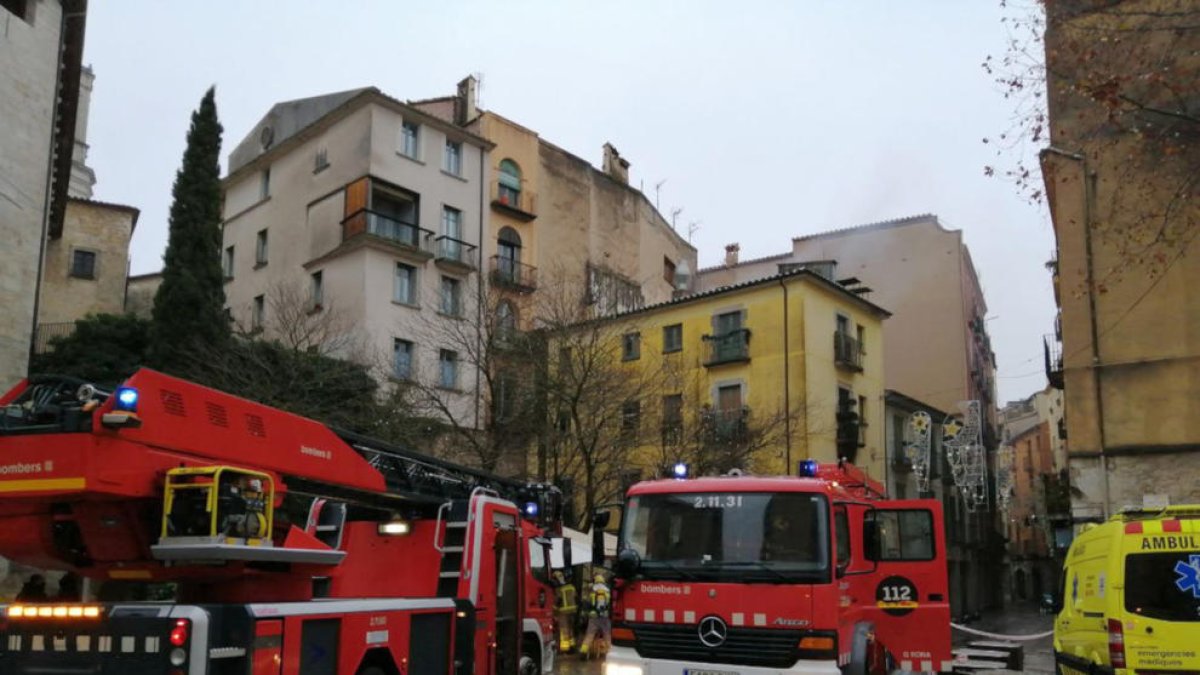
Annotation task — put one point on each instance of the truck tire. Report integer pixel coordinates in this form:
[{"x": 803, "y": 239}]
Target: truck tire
[{"x": 528, "y": 666}]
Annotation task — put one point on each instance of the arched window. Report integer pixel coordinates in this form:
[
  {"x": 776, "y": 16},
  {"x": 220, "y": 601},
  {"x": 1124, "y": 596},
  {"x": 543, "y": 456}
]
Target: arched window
[
  {"x": 506, "y": 320},
  {"x": 508, "y": 254},
  {"x": 509, "y": 192}
]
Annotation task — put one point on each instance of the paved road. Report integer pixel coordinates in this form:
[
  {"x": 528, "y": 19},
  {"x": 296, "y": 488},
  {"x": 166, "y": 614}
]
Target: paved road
[{"x": 1039, "y": 656}]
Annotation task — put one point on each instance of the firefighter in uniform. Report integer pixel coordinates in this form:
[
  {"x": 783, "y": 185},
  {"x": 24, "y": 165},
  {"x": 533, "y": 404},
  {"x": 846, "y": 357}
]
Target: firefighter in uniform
[
  {"x": 565, "y": 609},
  {"x": 599, "y": 627}
]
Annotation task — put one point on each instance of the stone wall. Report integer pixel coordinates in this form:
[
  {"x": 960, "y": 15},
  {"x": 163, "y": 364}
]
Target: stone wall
[{"x": 28, "y": 65}]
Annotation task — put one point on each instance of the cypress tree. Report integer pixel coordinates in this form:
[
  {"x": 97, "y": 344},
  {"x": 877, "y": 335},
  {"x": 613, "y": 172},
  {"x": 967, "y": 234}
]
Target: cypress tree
[{"x": 189, "y": 305}]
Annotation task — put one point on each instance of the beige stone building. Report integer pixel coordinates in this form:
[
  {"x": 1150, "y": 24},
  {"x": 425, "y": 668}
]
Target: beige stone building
[
  {"x": 1036, "y": 520},
  {"x": 370, "y": 213},
  {"x": 40, "y": 65},
  {"x": 140, "y": 290},
  {"x": 561, "y": 225},
  {"x": 937, "y": 349},
  {"x": 85, "y": 264},
  {"x": 1125, "y": 218}
]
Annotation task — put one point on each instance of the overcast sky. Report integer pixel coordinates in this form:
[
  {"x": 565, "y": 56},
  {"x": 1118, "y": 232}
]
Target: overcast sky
[{"x": 767, "y": 120}]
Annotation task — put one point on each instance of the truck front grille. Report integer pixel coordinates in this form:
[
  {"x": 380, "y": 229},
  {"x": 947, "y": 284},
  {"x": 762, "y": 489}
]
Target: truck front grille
[{"x": 743, "y": 646}]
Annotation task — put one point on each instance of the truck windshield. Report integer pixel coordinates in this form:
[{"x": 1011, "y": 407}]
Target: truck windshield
[
  {"x": 1163, "y": 586},
  {"x": 758, "y": 537}
]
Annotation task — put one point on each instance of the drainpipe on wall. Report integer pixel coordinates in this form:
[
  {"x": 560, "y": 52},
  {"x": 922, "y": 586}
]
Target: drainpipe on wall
[
  {"x": 1089, "y": 179},
  {"x": 479, "y": 286},
  {"x": 787, "y": 374}
]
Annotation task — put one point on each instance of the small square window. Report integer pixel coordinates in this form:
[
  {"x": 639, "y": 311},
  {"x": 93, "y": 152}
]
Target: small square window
[
  {"x": 321, "y": 160},
  {"x": 402, "y": 359},
  {"x": 452, "y": 162},
  {"x": 448, "y": 369},
  {"x": 672, "y": 338},
  {"x": 631, "y": 346},
  {"x": 260, "y": 249},
  {"x": 83, "y": 264},
  {"x": 409, "y": 137},
  {"x": 227, "y": 263}
]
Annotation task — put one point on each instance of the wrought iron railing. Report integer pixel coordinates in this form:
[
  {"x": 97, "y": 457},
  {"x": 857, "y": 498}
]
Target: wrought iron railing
[
  {"x": 729, "y": 347},
  {"x": 847, "y": 350},
  {"x": 48, "y": 331},
  {"x": 406, "y": 234},
  {"x": 513, "y": 273},
  {"x": 454, "y": 250}
]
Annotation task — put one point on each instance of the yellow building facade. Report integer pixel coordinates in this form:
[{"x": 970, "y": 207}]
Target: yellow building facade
[{"x": 754, "y": 377}]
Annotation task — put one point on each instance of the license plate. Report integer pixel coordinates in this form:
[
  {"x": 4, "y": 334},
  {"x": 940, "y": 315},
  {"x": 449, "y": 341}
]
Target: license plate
[{"x": 699, "y": 671}]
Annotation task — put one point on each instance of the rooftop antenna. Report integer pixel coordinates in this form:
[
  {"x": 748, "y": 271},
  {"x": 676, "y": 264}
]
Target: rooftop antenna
[
  {"x": 693, "y": 227},
  {"x": 657, "y": 188},
  {"x": 675, "y": 214}
]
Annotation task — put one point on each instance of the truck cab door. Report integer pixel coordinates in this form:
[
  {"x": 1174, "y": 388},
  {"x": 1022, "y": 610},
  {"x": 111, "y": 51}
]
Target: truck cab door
[{"x": 910, "y": 608}]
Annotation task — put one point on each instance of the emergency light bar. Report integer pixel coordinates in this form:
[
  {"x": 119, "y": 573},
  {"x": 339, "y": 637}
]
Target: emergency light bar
[{"x": 52, "y": 612}]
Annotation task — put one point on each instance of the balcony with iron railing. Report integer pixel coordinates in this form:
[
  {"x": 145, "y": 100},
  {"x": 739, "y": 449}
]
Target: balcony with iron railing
[
  {"x": 520, "y": 204},
  {"x": 514, "y": 274},
  {"x": 407, "y": 237},
  {"x": 454, "y": 253},
  {"x": 1054, "y": 361},
  {"x": 847, "y": 351},
  {"x": 731, "y": 347}
]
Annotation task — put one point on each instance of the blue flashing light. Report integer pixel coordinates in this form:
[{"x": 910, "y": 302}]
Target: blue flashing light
[
  {"x": 127, "y": 399},
  {"x": 808, "y": 468},
  {"x": 680, "y": 470},
  {"x": 531, "y": 509}
]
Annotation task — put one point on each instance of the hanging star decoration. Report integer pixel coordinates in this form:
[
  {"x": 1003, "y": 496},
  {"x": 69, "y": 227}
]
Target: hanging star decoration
[
  {"x": 1189, "y": 575},
  {"x": 951, "y": 429},
  {"x": 920, "y": 422}
]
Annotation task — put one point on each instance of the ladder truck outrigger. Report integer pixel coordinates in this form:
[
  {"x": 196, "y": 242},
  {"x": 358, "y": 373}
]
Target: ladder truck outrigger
[
  {"x": 747, "y": 575},
  {"x": 293, "y": 548}
]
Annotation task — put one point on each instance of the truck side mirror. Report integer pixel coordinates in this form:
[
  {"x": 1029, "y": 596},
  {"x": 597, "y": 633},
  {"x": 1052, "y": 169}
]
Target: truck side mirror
[{"x": 628, "y": 563}]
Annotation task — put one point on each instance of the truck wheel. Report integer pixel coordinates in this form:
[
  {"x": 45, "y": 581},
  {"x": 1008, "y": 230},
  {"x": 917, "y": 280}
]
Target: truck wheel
[{"x": 528, "y": 666}]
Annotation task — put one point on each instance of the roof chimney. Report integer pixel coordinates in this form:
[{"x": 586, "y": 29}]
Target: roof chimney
[
  {"x": 616, "y": 167},
  {"x": 731, "y": 254},
  {"x": 465, "y": 108}
]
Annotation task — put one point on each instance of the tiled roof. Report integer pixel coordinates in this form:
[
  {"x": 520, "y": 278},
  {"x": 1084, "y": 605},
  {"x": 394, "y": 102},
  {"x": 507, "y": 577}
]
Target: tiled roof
[
  {"x": 820, "y": 280},
  {"x": 881, "y": 225}
]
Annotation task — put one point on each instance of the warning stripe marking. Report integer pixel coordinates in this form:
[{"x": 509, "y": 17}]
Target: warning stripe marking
[{"x": 41, "y": 484}]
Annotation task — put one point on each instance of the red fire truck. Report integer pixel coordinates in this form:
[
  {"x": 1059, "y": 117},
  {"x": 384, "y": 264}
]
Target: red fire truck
[
  {"x": 291, "y": 547},
  {"x": 745, "y": 575}
]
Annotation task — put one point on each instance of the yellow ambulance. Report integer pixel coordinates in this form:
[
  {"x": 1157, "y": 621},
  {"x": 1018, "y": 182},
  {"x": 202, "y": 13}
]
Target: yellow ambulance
[{"x": 1131, "y": 595}]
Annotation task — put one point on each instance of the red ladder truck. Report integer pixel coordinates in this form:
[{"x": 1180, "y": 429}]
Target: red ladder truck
[
  {"x": 291, "y": 547},
  {"x": 747, "y": 575}
]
